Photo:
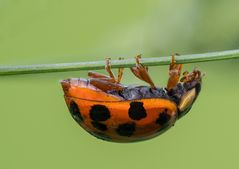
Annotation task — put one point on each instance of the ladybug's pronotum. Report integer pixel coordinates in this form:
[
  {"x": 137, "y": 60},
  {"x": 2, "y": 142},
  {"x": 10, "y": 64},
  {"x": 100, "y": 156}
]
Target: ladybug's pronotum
[{"x": 114, "y": 112}]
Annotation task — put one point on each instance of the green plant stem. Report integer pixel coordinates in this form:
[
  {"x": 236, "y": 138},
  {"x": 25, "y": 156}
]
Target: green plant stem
[{"x": 94, "y": 65}]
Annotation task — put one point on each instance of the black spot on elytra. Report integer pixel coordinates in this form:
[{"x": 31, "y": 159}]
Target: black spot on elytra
[
  {"x": 163, "y": 118},
  {"x": 137, "y": 111},
  {"x": 99, "y": 126},
  {"x": 75, "y": 112},
  {"x": 126, "y": 129},
  {"x": 99, "y": 113}
]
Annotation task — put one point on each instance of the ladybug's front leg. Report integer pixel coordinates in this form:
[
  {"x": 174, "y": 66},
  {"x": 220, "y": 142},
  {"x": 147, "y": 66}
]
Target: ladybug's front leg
[
  {"x": 141, "y": 72},
  {"x": 174, "y": 73},
  {"x": 189, "y": 77}
]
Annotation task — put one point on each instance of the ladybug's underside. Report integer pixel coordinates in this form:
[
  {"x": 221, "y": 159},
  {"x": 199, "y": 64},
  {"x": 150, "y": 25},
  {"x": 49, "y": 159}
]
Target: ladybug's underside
[
  {"x": 114, "y": 112},
  {"x": 143, "y": 92}
]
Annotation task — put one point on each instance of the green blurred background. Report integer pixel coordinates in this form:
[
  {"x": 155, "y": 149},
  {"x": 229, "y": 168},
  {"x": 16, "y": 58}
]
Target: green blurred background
[{"x": 36, "y": 129}]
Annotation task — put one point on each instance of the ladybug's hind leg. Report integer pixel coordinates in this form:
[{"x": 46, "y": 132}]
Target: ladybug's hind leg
[
  {"x": 108, "y": 69},
  {"x": 120, "y": 72},
  {"x": 96, "y": 75},
  {"x": 105, "y": 85},
  {"x": 111, "y": 77},
  {"x": 105, "y": 82},
  {"x": 174, "y": 73},
  {"x": 141, "y": 72}
]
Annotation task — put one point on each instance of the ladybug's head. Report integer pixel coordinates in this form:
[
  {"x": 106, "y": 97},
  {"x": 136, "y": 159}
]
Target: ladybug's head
[{"x": 185, "y": 93}]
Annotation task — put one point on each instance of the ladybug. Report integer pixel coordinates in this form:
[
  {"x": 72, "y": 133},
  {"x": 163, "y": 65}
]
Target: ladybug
[{"x": 115, "y": 112}]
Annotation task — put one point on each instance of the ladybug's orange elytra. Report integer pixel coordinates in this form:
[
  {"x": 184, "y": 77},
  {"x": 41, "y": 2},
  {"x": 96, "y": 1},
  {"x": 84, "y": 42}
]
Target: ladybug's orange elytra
[{"x": 114, "y": 112}]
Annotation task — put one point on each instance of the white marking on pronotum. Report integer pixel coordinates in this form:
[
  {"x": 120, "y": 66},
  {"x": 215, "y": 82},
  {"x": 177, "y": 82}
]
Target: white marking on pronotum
[{"x": 187, "y": 99}]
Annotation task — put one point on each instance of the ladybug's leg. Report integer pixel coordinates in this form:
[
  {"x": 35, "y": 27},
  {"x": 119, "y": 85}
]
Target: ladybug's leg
[
  {"x": 100, "y": 76},
  {"x": 141, "y": 72},
  {"x": 120, "y": 72},
  {"x": 174, "y": 73},
  {"x": 96, "y": 75},
  {"x": 105, "y": 85},
  {"x": 111, "y": 77},
  {"x": 108, "y": 69},
  {"x": 189, "y": 77},
  {"x": 111, "y": 74}
]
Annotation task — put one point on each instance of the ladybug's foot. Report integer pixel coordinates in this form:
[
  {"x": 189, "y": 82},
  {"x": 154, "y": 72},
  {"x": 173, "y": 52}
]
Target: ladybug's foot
[
  {"x": 189, "y": 77},
  {"x": 141, "y": 72},
  {"x": 174, "y": 73}
]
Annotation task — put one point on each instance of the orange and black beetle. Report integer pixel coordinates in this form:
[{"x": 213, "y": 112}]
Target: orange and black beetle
[{"x": 114, "y": 112}]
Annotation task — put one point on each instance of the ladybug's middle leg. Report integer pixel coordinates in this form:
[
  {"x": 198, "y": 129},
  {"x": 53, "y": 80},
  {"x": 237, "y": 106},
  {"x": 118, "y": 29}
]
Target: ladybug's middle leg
[
  {"x": 141, "y": 72},
  {"x": 174, "y": 73}
]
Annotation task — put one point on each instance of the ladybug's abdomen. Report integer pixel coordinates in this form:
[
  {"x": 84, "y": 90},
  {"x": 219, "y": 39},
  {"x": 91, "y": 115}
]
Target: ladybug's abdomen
[
  {"x": 139, "y": 92},
  {"x": 123, "y": 121}
]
